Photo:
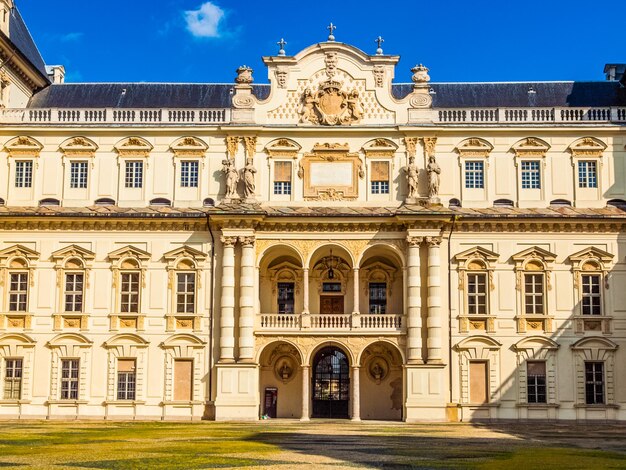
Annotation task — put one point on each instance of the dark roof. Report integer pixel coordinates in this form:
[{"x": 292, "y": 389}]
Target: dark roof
[
  {"x": 137, "y": 95},
  {"x": 23, "y": 41},
  {"x": 514, "y": 95}
]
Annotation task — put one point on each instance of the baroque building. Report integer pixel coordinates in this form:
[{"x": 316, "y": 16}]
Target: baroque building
[{"x": 330, "y": 244}]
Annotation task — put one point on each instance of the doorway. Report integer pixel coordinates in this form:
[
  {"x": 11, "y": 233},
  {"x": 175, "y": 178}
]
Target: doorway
[
  {"x": 331, "y": 384},
  {"x": 331, "y": 304}
]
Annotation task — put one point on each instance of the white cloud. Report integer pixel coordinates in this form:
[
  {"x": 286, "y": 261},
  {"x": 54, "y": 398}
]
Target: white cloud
[{"x": 205, "y": 21}]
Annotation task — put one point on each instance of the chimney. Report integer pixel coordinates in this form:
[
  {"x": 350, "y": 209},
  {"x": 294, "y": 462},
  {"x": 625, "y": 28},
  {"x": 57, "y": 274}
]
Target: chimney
[
  {"x": 56, "y": 73},
  {"x": 615, "y": 71}
]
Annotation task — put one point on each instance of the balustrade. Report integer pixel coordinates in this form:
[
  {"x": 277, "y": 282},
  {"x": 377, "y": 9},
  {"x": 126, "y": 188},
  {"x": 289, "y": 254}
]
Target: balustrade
[{"x": 330, "y": 322}]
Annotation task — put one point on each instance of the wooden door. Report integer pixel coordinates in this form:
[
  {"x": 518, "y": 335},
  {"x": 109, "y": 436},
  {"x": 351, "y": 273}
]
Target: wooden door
[
  {"x": 331, "y": 304},
  {"x": 183, "y": 379},
  {"x": 479, "y": 386}
]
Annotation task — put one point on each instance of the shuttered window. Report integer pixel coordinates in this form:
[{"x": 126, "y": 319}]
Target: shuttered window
[
  {"x": 282, "y": 178},
  {"x": 380, "y": 178}
]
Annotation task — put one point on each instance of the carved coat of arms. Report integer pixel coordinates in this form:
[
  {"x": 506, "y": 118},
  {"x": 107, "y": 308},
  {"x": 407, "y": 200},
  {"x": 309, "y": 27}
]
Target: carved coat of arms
[{"x": 330, "y": 105}]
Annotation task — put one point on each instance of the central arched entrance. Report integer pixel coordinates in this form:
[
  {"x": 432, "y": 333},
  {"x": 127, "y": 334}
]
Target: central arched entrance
[{"x": 331, "y": 384}]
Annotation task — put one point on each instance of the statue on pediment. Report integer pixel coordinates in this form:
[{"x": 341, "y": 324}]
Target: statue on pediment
[
  {"x": 330, "y": 105},
  {"x": 412, "y": 175},
  {"x": 248, "y": 179},
  {"x": 433, "y": 171},
  {"x": 232, "y": 178}
]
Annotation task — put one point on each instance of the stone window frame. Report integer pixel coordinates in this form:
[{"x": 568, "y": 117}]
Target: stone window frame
[
  {"x": 184, "y": 259},
  {"x": 17, "y": 346},
  {"x": 184, "y": 346},
  {"x": 537, "y": 348},
  {"x": 533, "y": 260},
  {"x": 590, "y": 149},
  {"x": 479, "y": 348},
  {"x": 77, "y": 149},
  {"x": 23, "y": 148},
  {"x": 378, "y": 272},
  {"x": 133, "y": 148},
  {"x": 189, "y": 148},
  {"x": 286, "y": 272},
  {"x": 474, "y": 149},
  {"x": 476, "y": 260},
  {"x": 380, "y": 150},
  {"x": 70, "y": 346},
  {"x": 283, "y": 150},
  {"x": 127, "y": 346},
  {"x": 595, "y": 349},
  {"x": 592, "y": 260},
  {"x": 17, "y": 258},
  {"x": 531, "y": 149},
  {"x": 119, "y": 259},
  {"x": 62, "y": 258}
]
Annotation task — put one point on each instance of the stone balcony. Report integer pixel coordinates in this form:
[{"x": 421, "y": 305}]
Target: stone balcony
[{"x": 272, "y": 323}]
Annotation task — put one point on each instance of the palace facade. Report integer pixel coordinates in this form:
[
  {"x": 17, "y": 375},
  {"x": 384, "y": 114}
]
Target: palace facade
[{"x": 328, "y": 245}]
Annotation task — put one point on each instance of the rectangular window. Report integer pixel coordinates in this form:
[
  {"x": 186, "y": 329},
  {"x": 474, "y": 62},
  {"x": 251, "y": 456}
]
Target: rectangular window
[
  {"x": 12, "y": 379},
  {"x": 587, "y": 174},
  {"x": 378, "y": 297},
  {"x": 474, "y": 175},
  {"x": 286, "y": 297},
  {"x": 78, "y": 174},
  {"x": 380, "y": 178},
  {"x": 591, "y": 297},
  {"x": 126, "y": 379},
  {"x": 531, "y": 176},
  {"x": 536, "y": 381},
  {"x": 69, "y": 379},
  {"x": 23, "y": 173},
  {"x": 189, "y": 174},
  {"x": 331, "y": 287},
  {"x": 477, "y": 293},
  {"x": 183, "y": 379},
  {"x": 533, "y": 294},
  {"x": 282, "y": 178},
  {"x": 594, "y": 383},
  {"x": 129, "y": 301},
  {"x": 134, "y": 174},
  {"x": 18, "y": 292},
  {"x": 185, "y": 292},
  {"x": 74, "y": 292}
]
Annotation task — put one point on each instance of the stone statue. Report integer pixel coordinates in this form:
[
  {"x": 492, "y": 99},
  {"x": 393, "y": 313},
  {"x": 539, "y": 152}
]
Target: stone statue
[
  {"x": 434, "y": 171},
  {"x": 248, "y": 179},
  {"x": 232, "y": 178},
  {"x": 306, "y": 109},
  {"x": 412, "y": 178}
]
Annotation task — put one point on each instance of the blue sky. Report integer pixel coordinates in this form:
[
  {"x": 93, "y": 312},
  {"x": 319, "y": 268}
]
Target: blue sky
[{"x": 200, "y": 41}]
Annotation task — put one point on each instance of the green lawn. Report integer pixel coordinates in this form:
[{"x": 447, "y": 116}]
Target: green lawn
[{"x": 323, "y": 444}]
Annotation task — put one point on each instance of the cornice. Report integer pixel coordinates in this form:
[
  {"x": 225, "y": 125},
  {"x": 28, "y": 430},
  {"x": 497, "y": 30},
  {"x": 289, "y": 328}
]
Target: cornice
[
  {"x": 20, "y": 65},
  {"x": 91, "y": 224}
]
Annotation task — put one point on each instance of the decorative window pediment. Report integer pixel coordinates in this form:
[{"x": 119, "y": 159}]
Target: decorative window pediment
[
  {"x": 594, "y": 343},
  {"x": 530, "y": 147},
  {"x": 17, "y": 252},
  {"x": 69, "y": 339},
  {"x": 587, "y": 147},
  {"x": 474, "y": 147},
  {"x": 380, "y": 148},
  {"x": 285, "y": 272},
  {"x": 591, "y": 259},
  {"x": 131, "y": 252},
  {"x": 378, "y": 272},
  {"x": 23, "y": 146},
  {"x": 477, "y": 258},
  {"x": 182, "y": 340},
  {"x": 62, "y": 256},
  {"x": 283, "y": 148},
  {"x": 478, "y": 342},
  {"x": 79, "y": 147},
  {"x": 533, "y": 259},
  {"x": 126, "y": 339},
  {"x": 534, "y": 345},
  {"x": 133, "y": 147},
  {"x": 182, "y": 253},
  {"x": 189, "y": 147}
]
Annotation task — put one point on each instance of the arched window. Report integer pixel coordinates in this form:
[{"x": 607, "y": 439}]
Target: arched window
[{"x": 104, "y": 201}]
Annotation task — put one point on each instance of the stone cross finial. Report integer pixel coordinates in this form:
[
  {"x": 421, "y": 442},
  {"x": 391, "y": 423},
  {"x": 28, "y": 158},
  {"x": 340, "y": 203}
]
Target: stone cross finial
[
  {"x": 282, "y": 43},
  {"x": 331, "y": 27},
  {"x": 379, "y": 40}
]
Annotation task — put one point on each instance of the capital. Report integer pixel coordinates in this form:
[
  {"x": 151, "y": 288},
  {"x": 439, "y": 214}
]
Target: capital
[
  {"x": 414, "y": 241},
  {"x": 433, "y": 241},
  {"x": 228, "y": 241},
  {"x": 247, "y": 241}
]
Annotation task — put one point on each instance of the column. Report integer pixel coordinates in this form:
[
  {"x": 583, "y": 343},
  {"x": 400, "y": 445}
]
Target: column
[
  {"x": 246, "y": 300},
  {"x": 414, "y": 302},
  {"x": 434, "y": 320},
  {"x": 305, "y": 393},
  {"x": 227, "y": 314},
  {"x": 356, "y": 394},
  {"x": 305, "y": 291},
  {"x": 356, "y": 307}
]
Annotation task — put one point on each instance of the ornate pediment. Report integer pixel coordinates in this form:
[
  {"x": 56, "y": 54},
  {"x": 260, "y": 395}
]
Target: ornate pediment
[
  {"x": 283, "y": 148},
  {"x": 533, "y": 253},
  {"x": 477, "y": 253},
  {"x": 474, "y": 147},
  {"x": 133, "y": 147},
  {"x": 79, "y": 147},
  {"x": 23, "y": 146},
  {"x": 129, "y": 251},
  {"x": 189, "y": 147},
  {"x": 530, "y": 147},
  {"x": 591, "y": 258},
  {"x": 587, "y": 147},
  {"x": 18, "y": 251},
  {"x": 184, "y": 252},
  {"x": 380, "y": 148},
  {"x": 73, "y": 251}
]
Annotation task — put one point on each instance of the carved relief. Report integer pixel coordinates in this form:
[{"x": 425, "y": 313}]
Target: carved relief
[
  {"x": 411, "y": 145},
  {"x": 244, "y": 75},
  {"x": 331, "y": 172},
  {"x": 330, "y": 105},
  {"x": 232, "y": 143},
  {"x": 281, "y": 77},
  {"x": 379, "y": 76}
]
